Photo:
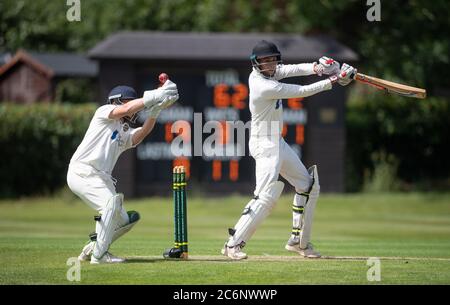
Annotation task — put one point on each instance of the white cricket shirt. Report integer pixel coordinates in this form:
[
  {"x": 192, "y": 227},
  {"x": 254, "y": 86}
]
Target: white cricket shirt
[
  {"x": 265, "y": 97},
  {"x": 104, "y": 141}
]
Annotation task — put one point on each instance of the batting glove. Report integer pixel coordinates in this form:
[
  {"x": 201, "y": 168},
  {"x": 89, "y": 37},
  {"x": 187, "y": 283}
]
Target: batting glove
[
  {"x": 346, "y": 74},
  {"x": 327, "y": 66}
]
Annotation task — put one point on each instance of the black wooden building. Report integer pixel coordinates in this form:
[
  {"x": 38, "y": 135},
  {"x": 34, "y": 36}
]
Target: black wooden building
[{"x": 211, "y": 71}]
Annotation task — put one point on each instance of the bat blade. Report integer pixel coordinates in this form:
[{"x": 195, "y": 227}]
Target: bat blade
[{"x": 391, "y": 87}]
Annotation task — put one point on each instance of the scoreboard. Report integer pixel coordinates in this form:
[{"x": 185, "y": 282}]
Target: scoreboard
[{"x": 212, "y": 102}]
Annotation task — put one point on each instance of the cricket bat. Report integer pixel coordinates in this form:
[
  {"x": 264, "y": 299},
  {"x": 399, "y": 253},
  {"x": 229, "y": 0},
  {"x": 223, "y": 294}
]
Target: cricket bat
[{"x": 391, "y": 87}]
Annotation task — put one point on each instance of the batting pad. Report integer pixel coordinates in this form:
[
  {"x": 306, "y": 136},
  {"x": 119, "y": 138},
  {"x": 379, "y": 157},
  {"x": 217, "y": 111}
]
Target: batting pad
[
  {"x": 298, "y": 208},
  {"x": 255, "y": 212},
  {"x": 126, "y": 228},
  {"x": 305, "y": 234},
  {"x": 105, "y": 227}
]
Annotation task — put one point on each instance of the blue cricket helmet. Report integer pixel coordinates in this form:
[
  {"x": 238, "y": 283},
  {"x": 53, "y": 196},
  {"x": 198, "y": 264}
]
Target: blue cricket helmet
[{"x": 122, "y": 93}]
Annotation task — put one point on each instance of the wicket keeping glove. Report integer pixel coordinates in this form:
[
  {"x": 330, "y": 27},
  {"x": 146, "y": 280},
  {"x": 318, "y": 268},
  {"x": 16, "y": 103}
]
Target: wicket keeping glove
[
  {"x": 152, "y": 97},
  {"x": 169, "y": 101},
  {"x": 154, "y": 111}
]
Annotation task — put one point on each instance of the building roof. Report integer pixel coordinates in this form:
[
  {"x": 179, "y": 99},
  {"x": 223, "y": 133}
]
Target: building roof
[
  {"x": 66, "y": 64},
  {"x": 4, "y": 57},
  {"x": 23, "y": 57},
  {"x": 214, "y": 46},
  {"x": 54, "y": 64}
]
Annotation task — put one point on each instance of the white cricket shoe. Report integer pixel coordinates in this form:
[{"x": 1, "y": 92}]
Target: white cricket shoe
[
  {"x": 107, "y": 258},
  {"x": 308, "y": 252},
  {"x": 86, "y": 253},
  {"x": 233, "y": 252}
]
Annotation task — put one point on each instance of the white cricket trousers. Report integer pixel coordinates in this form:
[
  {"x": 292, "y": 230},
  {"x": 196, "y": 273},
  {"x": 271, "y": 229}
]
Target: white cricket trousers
[
  {"x": 93, "y": 187},
  {"x": 273, "y": 157}
]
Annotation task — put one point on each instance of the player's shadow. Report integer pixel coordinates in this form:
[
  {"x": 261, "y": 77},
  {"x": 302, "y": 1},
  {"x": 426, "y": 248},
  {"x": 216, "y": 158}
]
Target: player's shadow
[{"x": 140, "y": 260}]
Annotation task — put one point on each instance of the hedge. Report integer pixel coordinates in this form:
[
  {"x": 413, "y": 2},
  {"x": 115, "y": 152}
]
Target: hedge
[
  {"x": 37, "y": 142},
  {"x": 409, "y": 138}
]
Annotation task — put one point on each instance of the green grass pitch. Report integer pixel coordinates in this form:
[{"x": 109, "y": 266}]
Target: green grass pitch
[{"x": 410, "y": 233}]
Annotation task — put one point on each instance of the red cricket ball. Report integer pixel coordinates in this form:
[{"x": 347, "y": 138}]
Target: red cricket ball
[{"x": 163, "y": 77}]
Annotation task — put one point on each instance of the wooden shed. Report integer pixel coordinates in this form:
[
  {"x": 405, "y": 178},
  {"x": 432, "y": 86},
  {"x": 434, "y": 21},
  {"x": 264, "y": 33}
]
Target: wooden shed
[
  {"x": 30, "y": 77},
  {"x": 24, "y": 80}
]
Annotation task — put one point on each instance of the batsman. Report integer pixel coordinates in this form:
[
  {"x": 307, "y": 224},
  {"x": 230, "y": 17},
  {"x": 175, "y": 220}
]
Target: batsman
[{"x": 273, "y": 156}]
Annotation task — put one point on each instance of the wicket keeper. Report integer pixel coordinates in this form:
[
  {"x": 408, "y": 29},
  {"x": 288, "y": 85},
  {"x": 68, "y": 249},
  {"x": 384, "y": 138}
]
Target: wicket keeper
[{"x": 89, "y": 175}]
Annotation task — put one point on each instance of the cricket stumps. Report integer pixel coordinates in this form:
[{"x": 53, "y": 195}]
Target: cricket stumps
[{"x": 180, "y": 249}]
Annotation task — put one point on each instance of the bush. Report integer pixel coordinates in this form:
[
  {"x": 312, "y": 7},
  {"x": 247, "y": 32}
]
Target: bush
[
  {"x": 75, "y": 90},
  {"x": 37, "y": 142},
  {"x": 383, "y": 177},
  {"x": 407, "y": 138}
]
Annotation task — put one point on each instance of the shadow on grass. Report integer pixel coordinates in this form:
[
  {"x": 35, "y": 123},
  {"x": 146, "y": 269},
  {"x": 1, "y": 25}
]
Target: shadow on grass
[{"x": 155, "y": 259}]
